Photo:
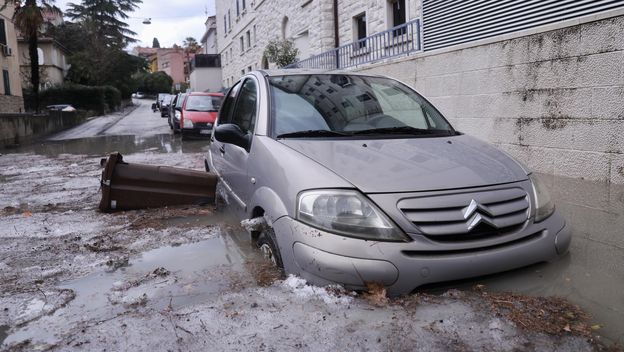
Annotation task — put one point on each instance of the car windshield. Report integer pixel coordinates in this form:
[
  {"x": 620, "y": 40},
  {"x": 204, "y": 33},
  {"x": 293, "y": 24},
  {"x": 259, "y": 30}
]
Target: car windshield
[
  {"x": 166, "y": 99},
  {"x": 203, "y": 103},
  {"x": 343, "y": 106}
]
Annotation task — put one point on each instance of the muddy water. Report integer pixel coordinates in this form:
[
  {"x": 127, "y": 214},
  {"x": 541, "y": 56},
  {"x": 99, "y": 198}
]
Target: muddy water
[
  {"x": 162, "y": 279},
  {"x": 592, "y": 273},
  {"x": 3, "y": 333},
  {"x": 125, "y": 144}
]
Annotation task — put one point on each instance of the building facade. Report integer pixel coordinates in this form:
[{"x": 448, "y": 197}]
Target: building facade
[
  {"x": 10, "y": 89},
  {"x": 52, "y": 62}
]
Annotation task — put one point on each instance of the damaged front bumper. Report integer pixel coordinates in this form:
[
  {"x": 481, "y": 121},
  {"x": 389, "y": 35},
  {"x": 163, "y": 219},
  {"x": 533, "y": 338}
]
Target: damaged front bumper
[{"x": 325, "y": 258}]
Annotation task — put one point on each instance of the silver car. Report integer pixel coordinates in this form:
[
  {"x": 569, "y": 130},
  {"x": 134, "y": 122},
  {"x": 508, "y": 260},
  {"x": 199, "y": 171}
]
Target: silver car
[{"x": 361, "y": 180}]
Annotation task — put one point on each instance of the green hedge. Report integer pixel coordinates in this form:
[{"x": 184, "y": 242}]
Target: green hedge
[{"x": 100, "y": 99}]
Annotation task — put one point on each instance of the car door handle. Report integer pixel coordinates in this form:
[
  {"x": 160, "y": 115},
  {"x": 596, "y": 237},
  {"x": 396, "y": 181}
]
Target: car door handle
[{"x": 222, "y": 149}]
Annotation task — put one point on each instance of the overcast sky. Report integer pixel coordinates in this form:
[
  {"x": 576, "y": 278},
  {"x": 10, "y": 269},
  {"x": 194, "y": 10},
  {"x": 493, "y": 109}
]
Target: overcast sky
[{"x": 172, "y": 21}]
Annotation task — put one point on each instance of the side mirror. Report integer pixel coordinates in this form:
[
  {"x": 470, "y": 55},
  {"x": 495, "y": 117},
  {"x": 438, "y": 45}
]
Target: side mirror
[{"x": 232, "y": 134}]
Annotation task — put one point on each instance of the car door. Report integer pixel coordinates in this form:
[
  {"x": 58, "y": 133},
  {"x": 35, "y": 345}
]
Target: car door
[{"x": 230, "y": 161}]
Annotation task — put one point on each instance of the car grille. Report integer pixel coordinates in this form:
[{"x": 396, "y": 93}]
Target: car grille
[
  {"x": 468, "y": 216},
  {"x": 203, "y": 125}
]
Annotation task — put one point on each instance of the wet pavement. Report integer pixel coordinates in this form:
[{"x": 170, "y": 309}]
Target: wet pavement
[{"x": 107, "y": 279}]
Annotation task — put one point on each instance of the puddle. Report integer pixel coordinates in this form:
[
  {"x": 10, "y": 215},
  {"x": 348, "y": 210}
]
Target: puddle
[
  {"x": 3, "y": 333},
  {"x": 592, "y": 274},
  {"x": 104, "y": 145},
  {"x": 193, "y": 273}
]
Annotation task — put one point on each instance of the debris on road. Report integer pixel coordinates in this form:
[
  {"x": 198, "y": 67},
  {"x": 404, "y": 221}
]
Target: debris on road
[{"x": 137, "y": 186}]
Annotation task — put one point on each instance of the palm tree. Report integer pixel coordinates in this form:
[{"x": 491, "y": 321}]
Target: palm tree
[
  {"x": 28, "y": 19},
  {"x": 190, "y": 47}
]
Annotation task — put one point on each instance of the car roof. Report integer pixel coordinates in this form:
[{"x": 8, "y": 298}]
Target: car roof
[
  {"x": 206, "y": 93},
  {"x": 305, "y": 71}
]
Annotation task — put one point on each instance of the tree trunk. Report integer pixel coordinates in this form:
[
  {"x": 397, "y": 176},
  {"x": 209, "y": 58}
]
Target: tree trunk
[{"x": 34, "y": 57}]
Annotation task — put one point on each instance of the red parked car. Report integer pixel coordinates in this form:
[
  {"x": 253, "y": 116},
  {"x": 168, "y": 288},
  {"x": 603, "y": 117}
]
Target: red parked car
[{"x": 199, "y": 112}]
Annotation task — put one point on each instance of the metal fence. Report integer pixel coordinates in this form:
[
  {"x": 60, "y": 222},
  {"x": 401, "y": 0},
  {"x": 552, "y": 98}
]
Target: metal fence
[{"x": 399, "y": 40}]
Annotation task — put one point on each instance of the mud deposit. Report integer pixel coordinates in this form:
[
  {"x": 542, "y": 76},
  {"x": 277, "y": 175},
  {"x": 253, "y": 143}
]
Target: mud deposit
[{"x": 188, "y": 278}]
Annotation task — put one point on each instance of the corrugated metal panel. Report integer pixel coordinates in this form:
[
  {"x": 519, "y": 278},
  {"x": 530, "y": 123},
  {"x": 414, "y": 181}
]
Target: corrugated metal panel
[{"x": 447, "y": 23}]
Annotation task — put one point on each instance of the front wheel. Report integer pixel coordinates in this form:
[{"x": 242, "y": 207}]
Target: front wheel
[{"x": 268, "y": 248}]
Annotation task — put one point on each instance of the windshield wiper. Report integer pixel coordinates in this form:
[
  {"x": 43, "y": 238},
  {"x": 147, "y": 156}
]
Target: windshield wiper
[
  {"x": 403, "y": 130},
  {"x": 314, "y": 133}
]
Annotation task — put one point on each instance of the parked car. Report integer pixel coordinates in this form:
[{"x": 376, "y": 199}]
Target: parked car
[
  {"x": 199, "y": 112},
  {"x": 164, "y": 105},
  {"x": 360, "y": 179},
  {"x": 159, "y": 99},
  {"x": 175, "y": 112},
  {"x": 138, "y": 95}
]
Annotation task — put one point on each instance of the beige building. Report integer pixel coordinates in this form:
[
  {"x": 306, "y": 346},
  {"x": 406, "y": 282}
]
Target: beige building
[
  {"x": 10, "y": 89},
  {"x": 52, "y": 62}
]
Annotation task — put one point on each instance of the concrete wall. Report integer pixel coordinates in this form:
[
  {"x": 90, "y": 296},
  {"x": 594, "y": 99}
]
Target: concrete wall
[
  {"x": 554, "y": 99},
  {"x": 206, "y": 79},
  {"x": 23, "y": 128}
]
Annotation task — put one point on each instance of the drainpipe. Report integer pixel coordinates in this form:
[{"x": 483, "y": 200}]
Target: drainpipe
[{"x": 336, "y": 33}]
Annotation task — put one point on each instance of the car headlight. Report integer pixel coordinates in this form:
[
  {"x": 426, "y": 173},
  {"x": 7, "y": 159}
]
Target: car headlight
[
  {"x": 544, "y": 206},
  {"x": 177, "y": 115},
  {"x": 188, "y": 123},
  {"x": 346, "y": 213}
]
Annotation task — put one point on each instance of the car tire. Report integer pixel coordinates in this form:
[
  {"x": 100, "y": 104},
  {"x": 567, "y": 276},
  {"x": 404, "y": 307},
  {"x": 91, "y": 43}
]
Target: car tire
[{"x": 268, "y": 248}]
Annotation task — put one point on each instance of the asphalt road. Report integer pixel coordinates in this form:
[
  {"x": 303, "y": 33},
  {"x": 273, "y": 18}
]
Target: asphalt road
[{"x": 137, "y": 121}]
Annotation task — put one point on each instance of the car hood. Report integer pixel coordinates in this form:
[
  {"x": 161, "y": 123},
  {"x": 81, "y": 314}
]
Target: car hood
[
  {"x": 412, "y": 164},
  {"x": 200, "y": 116}
]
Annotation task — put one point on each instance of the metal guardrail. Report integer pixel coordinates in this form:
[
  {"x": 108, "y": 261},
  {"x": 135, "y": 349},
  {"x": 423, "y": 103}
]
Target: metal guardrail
[{"x": 399, "y": 40}]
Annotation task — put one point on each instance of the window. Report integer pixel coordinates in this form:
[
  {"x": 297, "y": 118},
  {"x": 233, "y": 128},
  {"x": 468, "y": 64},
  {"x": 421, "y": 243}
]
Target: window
[
  {"x": 242, "y": 72},
  {"x": 248, "y": 68},
  {"x": 359, "y": 30},
  {"x": 229, "y": 21},
  {"x": 3, "y": 37},
  {"x": 7, "y": 83},
  {"x": 248, "y": 40},
  {"x": 242, "y": 45},
  {"x": 397, "y": 15},
  {"x": 224, "y": 24},
  {"x": 254, "y": 34},
  {"x": 225, "y": 116},
  {"x": 237, "y": 9},
  {"x": 243, "y": 2},
  {"x": 245, "y": 110}
]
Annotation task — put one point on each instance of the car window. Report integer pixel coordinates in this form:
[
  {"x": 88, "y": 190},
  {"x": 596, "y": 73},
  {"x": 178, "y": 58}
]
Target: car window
[
  {"x": 225, "y": 114},
  {"x": 245, "y": 109},
  {"x": 180, "y": 100}
]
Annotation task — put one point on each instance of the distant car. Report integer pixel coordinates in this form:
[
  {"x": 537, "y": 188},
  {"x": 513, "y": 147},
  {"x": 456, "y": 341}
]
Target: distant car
[
  {"x": 199, "y": 112},
  {"x": 159, "y": 99},
  {"x": 175, "y": 112},
  {"x": 164, "y": 105},
  {"x": 61, "y": 107},
  {"x": 359, "y": 180},
  {"x": 139, "y": 95}
]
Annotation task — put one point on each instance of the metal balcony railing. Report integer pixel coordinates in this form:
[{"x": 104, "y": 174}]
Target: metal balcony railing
[{"x": 396, "y": 41}]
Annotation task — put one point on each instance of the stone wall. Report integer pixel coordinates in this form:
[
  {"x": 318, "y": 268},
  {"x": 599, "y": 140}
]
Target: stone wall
[
  {"x": 554, "y": 100},
  {"x": 23, "y": 128},
  {"x": 11, "y": 103}
]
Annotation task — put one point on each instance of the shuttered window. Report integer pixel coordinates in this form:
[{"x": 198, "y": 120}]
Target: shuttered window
[
  {"x": 447, "y": 23},
  {"x": 7, "y": 83},
  {"x": 3, "y": 37}
]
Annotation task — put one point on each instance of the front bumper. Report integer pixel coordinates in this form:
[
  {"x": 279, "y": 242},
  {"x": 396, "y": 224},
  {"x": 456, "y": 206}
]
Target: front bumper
[
  {"x": 324, "y": 258},
  {"x": 198, "y": 130}
]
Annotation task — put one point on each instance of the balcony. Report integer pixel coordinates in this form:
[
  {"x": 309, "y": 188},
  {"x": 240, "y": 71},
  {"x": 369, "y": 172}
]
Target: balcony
[{"x": 396, "y": 41}]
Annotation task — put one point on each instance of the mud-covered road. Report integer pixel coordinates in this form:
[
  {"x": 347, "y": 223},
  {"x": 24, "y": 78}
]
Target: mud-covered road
[{"x": 189, "y": 278}]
